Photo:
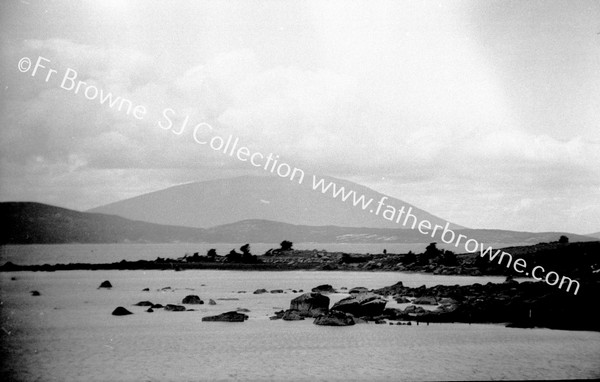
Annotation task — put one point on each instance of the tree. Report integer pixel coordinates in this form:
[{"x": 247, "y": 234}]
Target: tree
[
  {"x": 563, "y": 240},
  {"x": 286, "y": 245},
  {"x": 211, "y": 254}
]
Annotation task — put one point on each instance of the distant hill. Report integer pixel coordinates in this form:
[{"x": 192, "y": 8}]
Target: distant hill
[
  {"x": 28, "y": 223},
  {"x": 596, "y": 235},
  {"x": 225, "y": 201},
  {"x": 36, "y": 223}
]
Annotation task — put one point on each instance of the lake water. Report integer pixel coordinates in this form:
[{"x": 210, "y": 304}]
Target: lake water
[
  {"x": 38, "y": 254},
  {"x": 68, "y": 333}
]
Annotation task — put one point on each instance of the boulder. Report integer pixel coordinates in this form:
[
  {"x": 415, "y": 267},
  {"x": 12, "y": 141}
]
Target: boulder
[
  {"x": 146, "y": 290},
  {"x": 358, "y": 290},
  {"x": 120, "y": 311},
  {"x": 362, "y": 304},
  {"x": 310, "y": 304},
  {"x": 292, "y": 315},
  {"x": 260, "y": 291},
  {"x": 105, "y": 284},
  {"x": 227, "y": 317},
  {"x": 174, "y": 308},
  {"x": 144, "y": 303},
  {"x": 150, "y": 310},
  {"x": 401, "y": 300},
  {"x": 211, "y": 302},
  {"x": 35, "y": 293},
  {"x": 325, "y": 288},
  {"x": 414, "y": 309},
  {"x": 334, "y": 318},
  {"x": 157, "y": 306},
  {"x": 192, "y": 299},
  {"x": 277, "y": 291}
]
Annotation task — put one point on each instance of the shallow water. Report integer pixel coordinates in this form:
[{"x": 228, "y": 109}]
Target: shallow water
[{"x": 68, "y": 334}]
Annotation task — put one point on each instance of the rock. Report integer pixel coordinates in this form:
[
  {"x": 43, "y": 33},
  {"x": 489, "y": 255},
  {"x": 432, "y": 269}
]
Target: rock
[
  {"x": 334, "y": 318},
  {"x": 414, "y": 309},
  {"x": 157, "y": 306},
  {"x": 278, "y": 315},
  {"x": 166, "y": 288},
  {"x": 310, "y": 304},
  {"x": 227, "y": 317},
  {"x": 35, "y": 293},
  {"x": 325, "y": 288},
  {"x": 105, "y": 284},
  {"x": 144, "y": 303},
  {"x": 174, "y": 308},
  {"x": 146, "y": 290},
  {"x": 120, "y": 311},
  {"x": 292, "y": 315},
  {"x": 358, "y": 290},
  {"x": 425, "y": 301},
  {"x": 211, "y": 302},
  {"x": 150, "y": 310},
  {"x": 260, "y": 291},
  {"x": 243, "y": 310},
  {"x": 192, "y": 299},
  {"x": 277, "y": 291},
  {"x": 380, "y": 321},
  {"x": 401, "y": 300},
  {"x": 362, "y": 304}
]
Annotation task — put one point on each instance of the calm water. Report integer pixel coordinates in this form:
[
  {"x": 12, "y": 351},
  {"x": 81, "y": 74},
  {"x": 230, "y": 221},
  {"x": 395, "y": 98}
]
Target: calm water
[
  {"x": 38, "y": 254},
  {"x": 68, "y": 334}
]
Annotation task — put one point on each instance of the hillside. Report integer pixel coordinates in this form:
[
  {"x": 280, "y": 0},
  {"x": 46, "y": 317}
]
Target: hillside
[{"x": 36, "y": 223}]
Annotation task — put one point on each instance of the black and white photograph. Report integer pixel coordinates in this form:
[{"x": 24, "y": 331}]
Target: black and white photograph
[{"x": 263, "y": 190}]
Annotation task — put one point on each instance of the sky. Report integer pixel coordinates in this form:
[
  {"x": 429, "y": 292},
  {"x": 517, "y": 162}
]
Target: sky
[{"x": 485, "y": 113}]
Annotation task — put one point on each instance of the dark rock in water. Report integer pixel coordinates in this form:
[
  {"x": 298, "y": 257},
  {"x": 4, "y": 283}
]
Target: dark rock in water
[
  {"x": 277, "y": 291},
  {"x": 35, "y": 293},
  {"x": 175, "y": 308},
  {"x": 192, "y": 299},
  {"x": 157, "y": 306},
  {"x": 325, "y": 288},
  {"x": 425, "y": 301},
  {"x": 211, "y": 302},
  {"x": 358, "y": 290},
  {"x": 120, "y": 311},
  {"x": 334, "y": 318},
  {"x": 227, "y": 317},
  {"x": 362, "y": 304},
  {"x": 146, "y": 290},
  {"x": 105, "y": 284},
  {"x": 144, "y": 303},
  {"x": 13, "y": 278},
  {"x": 292, "y": 315},
  {"x": 260, "y": 291},
  {"x": 150, "y": 310},
  {"x": 310, "y": 304},
  {"x": 243, "y": 310}
]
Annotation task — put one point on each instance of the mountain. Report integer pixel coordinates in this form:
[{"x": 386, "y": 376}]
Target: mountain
[
  {"x": 225, "y": 201},
  {"x": 596, "y": 235},
  {"x": 36, "y": 223}
]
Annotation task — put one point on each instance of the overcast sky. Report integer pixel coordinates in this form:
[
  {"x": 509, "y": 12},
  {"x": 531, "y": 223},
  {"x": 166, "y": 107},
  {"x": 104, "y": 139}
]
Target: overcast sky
[{"x": 486, "y": 113}]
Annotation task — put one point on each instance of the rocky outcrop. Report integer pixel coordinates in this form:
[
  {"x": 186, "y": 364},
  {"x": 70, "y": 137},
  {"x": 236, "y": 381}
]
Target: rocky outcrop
[
  {"x": 192, "y": 299},
  {"x": 105, "y": 284},
  {"x": 174, "y": 308},
  {"x": 227, "y": 317},
  {"x": 310, "y": 304},
  {"x": 260, "y": 291},
  {"x": 325, "y": 288},
  {"x": 362, "y": 304},
  {"x": 120, "y": 311},
  {"x": 334, "y": 318}
]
